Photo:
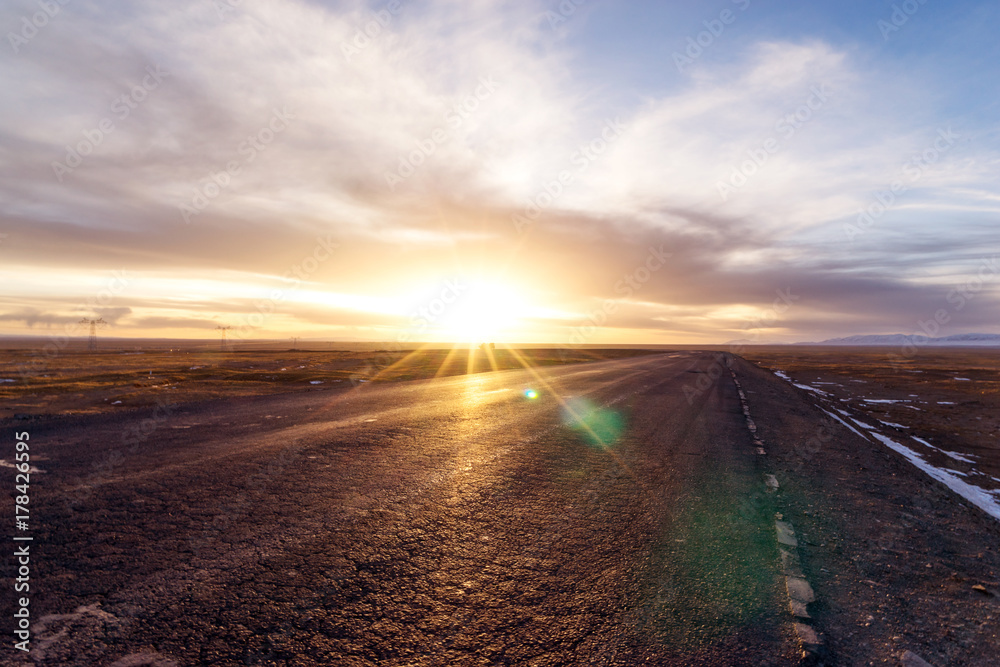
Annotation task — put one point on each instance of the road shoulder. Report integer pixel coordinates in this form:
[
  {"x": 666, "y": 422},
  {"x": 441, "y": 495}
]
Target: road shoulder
[{"x": 893, "y": 556}]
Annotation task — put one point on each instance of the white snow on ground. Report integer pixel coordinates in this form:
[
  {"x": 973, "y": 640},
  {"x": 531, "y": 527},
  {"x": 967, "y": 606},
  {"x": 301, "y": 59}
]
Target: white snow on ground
[
  {"x": 6, "y": 464},
  {"x": 782, "y": 375},
  {"x": 5, "y": 380},
  {"x": 913, "y": 407},
  {"x": 946, "y": 403},
  {"x": 812, "y": 389},
  {"x": 981, "y": 498},
  {"x": 987, "y": 500},
  {"x": 955, "y": 455},
  {"x": 854, "y": 430},
  {"x": 315, "y": 382},
  {"x": 885, "y": 400},
  {"x": 964, "y": 379}
]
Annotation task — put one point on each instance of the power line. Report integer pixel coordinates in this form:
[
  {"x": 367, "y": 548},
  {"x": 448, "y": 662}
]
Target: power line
[
  {"x": 222, "y": 343},
  {"x": 92, "y": 343}
]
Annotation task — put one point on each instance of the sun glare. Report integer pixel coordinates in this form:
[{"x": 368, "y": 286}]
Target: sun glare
[{"x": 484, "y": 312}]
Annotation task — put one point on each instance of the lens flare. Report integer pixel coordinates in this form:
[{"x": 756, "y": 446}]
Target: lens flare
[
  {"x": 598, "y": 426},
  {"x": 530, "y": 394}
]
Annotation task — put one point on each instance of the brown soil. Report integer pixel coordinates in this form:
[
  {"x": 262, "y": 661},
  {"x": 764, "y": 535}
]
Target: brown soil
[{"x": 79, "y": 382}]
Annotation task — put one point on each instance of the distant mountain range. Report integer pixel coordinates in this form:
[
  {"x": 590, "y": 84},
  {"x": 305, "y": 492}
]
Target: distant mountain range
[{"x": 970, "y": 340}]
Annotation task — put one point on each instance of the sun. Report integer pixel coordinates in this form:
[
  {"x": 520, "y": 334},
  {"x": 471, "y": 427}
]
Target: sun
[{"x": 482, "y": 312}]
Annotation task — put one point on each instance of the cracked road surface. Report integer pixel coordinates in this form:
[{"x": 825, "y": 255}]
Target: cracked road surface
[{"x": 609, "y": 521}]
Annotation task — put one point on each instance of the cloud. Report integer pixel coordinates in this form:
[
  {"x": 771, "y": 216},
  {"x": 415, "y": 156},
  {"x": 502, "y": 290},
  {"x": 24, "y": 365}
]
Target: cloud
[{"x": 276, "y": 127}]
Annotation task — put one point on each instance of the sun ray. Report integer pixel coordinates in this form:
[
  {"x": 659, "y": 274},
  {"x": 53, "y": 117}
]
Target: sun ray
[
  {"x": 446, "y": 361},
  {"x": 569, "y": 408}
]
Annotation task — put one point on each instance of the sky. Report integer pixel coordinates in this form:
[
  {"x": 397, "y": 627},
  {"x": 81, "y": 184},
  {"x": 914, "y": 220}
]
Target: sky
[{"x": 574, "y": 172}]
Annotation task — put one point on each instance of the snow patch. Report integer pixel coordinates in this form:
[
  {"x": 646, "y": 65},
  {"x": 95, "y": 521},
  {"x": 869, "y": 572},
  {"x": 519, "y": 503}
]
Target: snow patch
[
  {"x": 4, "y": 463},
  {"x": 854, "y": 430},
  {"x": 981, "y": 498},
  {"x": 957, "y": 456},
  {"x": 812, "y": 389}
]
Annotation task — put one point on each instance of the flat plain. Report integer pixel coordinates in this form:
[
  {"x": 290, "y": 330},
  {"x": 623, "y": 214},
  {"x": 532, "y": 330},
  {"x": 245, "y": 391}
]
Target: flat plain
[{"x": 587, "y": 507}]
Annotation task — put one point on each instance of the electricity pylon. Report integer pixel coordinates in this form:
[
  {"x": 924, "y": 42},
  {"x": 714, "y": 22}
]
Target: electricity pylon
[
  {"x": 222, "y": 343},
  {"x": 92, "y": 343},
  {"x": 295, "y": 342}
]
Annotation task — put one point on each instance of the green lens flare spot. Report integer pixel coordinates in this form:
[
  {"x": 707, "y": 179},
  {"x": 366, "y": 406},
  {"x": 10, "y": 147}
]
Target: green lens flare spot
[{"x": 600, "y": 427}]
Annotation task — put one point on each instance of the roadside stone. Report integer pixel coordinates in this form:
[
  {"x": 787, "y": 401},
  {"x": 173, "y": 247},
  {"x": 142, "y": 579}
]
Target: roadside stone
[
  {"x": 911, "y": 659},
  {"x": 807, "y": 635},
  {"x": 790, "y": 565},
  {"x": 786, "y": 534},
  {"x": 799, "y": 589}
]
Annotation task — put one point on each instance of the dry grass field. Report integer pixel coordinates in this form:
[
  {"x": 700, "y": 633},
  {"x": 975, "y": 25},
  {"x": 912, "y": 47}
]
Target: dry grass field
[
  {"x": 948, "y": 397},
  {"x": 78, "y": 382}
]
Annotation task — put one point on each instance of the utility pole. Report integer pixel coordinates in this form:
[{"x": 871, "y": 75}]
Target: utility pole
[
  {"x": 223, "y": 330},
  {"x": 92, "y": 343}
]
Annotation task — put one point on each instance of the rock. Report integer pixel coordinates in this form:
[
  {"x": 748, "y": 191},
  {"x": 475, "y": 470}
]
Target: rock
[
  {"x": 807, "y": 635},
  {"x": 799, "y": 589},
  {"x": 911, "y": 659},
  {"x": 786, "y": 535}
]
